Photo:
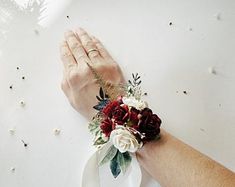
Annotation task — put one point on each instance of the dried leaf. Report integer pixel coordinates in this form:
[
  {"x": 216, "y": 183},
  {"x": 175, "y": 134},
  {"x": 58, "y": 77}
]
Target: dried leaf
[
  {"x": 101, "y": 93},
  {"x": 98, "y": 98}
]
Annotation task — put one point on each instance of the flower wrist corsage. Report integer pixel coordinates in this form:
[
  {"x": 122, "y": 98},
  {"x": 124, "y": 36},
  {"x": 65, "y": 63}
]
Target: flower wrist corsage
[{"x": 124, "y": 121}]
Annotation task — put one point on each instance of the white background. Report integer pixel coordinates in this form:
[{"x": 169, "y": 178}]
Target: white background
[{"x": 171, "y": 59}]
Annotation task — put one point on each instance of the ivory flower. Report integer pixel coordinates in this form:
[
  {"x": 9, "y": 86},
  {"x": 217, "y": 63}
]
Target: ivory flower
[
  {"x": 124, "y": 140},
  {"x": 133, "y": 102}
]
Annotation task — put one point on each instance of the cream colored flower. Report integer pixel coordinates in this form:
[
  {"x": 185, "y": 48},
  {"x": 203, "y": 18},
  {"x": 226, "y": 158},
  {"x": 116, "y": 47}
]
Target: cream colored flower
[
  {"x": 133, "y": 102},
  {"x": 124, "y": 140}
]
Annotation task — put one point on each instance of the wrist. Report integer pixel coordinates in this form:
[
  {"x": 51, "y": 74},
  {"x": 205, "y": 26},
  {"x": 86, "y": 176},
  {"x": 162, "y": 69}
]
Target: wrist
[{"x": 152, "y": 147}]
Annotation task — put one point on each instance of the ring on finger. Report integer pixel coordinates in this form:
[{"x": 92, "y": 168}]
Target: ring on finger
[{"x": 91, "y": 50}]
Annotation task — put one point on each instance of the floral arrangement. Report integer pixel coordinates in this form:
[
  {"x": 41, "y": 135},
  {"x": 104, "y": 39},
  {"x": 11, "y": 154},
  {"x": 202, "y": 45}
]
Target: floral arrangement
[{"x": 123, "y": 120}]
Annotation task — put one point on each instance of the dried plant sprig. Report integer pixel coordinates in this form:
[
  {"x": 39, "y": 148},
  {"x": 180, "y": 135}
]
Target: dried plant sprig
[
  {"x": 110, "y": 90},
  {"x": 136, "y": 80},
  {"x": 134, "y": 88}
]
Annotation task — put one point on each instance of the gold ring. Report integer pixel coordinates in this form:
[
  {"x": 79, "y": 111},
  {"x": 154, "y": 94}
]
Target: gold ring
[{"x": 90, "y": 50}]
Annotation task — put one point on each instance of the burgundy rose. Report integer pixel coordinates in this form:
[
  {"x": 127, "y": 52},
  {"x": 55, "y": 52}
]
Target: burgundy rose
[
  {"x": 120, "y": 114},
  {"x": 107, "y": 126},
  {"x": 149, "y": 124},
  {"x": 108, "y": 109},
  {"x": 134, "y": 117}
]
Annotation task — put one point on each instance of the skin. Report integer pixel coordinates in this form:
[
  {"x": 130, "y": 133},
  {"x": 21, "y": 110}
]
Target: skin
[
  {"x": 78, "y": 81},
  {"x": 168, "y": 160}
]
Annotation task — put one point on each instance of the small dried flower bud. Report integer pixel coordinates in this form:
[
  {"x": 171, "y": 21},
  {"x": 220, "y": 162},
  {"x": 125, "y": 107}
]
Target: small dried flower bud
[
  {"x": 12, "y": 131},
  {"x": 56, "y": 131},
  {"x": 211, "y": 70},
  {"x": 22, "y": 103}
]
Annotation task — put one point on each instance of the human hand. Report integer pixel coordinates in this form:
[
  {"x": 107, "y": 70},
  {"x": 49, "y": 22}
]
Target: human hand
[{"x": 78, "y": 82}]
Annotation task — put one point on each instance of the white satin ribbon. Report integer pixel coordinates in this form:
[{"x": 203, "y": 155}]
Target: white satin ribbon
[{"x": 95, "y": 176}]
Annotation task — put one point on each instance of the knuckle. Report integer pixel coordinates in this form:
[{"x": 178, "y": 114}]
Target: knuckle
[
  {"x": 80, "y": 55},
  {"x": 99, "y": 46},
  {"x": 64, "y": 85},
  {"x": 75, "y": 46},
  {"x": 102, "y": 52},
  {"x": 115, "y": 67},
  {"x": 73, "y": 77},
  {"x": 81, "y": 51},
  {"x": 97, "y": 42},
  {"x": 89, "y": 44},
  {"x": 66, "y": 53},
  {"x": 85, "y": 73}
]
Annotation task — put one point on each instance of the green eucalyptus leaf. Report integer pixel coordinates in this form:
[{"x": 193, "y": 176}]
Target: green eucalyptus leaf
[
  {"x": 110, "y": 154},
  {"x": 97, "y": 133},
  {"x": 158, "y": 137},
  {"x": 114, "y": 166},
  {"x": 99, "y": 141},
  {"x": 93, "y": 126},
  {"x": 133, "y": 75},
  {"x": 124, "y": 160}
]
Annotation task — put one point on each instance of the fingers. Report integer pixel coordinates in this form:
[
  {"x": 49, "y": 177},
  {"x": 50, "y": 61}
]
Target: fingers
[
  {"x": 76, "y": 47},
  {"x": 67, "y": 56},
  {"x": 87, "y": 43},
  {"x": 103, "y": 52}
]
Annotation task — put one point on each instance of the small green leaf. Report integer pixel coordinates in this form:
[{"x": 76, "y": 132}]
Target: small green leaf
[
  {"x": 158, "y": 137},
  {"x": 110, "y": 154},
  {"x": 97, "y": 133},
  {"x": 106, "y": 96},
  {"x": 115, "y": 167},
  {"x": 101, "y": 104},
  {"x": 130, "y": 82},
  {"x": 93, "y": 126},
  {"x": 133, "y": 75},
  {"x": 99, "y": 141},
  {"x": 124, "y": 160}
]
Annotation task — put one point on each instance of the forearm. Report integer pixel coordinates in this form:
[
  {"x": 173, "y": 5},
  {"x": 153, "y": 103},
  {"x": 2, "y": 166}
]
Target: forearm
[{"x": 173, "y": 163}]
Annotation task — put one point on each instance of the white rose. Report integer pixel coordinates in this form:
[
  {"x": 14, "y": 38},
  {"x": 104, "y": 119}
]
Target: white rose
[
  {"x": 133, "y": 102},
  {"x": 123, "y": 140}
]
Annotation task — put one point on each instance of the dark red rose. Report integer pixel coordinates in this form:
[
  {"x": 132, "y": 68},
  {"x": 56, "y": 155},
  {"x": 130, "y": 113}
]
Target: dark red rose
[
  {"x": 107, "y": 126},
  {"x": 134, "y": 117},
  {"x": 120, "y": 114},
  {"x": 149, "y": 124},
  {"x": 119, "y": 99},
  {"x": 108, "y": 109}
]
